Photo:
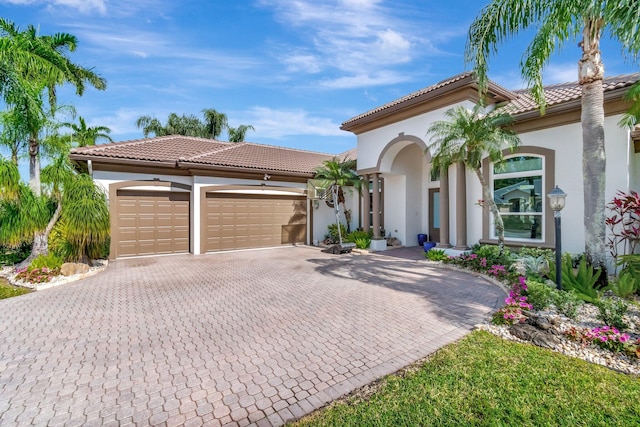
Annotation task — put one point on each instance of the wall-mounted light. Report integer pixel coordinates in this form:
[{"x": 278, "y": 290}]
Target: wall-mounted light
[{"x": 267, "y": 177}]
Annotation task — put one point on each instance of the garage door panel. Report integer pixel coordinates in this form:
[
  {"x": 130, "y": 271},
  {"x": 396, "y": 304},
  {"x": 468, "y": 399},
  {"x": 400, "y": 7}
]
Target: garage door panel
[
  {"x": 152, "y": 223},
  {"x": 251, "y": 221}
]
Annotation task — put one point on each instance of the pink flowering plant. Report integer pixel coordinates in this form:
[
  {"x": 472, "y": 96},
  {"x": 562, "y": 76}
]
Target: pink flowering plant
[
  {"x": 606, "y": 337},
  {"x": 37, "y": 275},
  {"x": 515, "y": 303}
]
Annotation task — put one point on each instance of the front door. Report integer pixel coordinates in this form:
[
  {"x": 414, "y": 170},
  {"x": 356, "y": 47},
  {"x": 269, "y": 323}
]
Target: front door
[{"x": 434, "y": 215}]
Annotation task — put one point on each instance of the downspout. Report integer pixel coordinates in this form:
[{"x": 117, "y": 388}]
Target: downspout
[{"x": 90, "y": 168}]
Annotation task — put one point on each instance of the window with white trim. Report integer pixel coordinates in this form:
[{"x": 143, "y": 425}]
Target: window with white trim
[{"x": 518, "y": 190}]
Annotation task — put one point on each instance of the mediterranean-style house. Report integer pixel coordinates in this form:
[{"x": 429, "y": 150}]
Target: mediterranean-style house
[
  {"x": 177, "y": 194},
  {"x": 393, "y": 154}
]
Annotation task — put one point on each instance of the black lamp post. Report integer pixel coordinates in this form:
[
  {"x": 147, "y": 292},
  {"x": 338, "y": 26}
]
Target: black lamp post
[{"x": 556, "y": 200}]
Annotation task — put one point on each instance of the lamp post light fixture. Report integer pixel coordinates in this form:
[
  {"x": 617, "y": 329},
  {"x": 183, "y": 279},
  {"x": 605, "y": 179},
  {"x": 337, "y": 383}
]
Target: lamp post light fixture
[{"x": 557, "y": 201}]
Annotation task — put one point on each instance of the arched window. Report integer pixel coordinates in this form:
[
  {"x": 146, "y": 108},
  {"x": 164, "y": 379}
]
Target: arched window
[{"x": 518, "y": 186}]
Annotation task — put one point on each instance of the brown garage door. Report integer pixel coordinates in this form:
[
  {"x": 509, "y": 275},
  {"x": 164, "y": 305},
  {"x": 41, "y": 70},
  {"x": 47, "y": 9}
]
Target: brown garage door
[
  {"x": 253, "y": 221},
  {"x": 152, "y": 223}
]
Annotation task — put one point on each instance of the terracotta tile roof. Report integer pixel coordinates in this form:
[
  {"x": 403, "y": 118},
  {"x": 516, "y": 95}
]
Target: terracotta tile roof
[
  {"x": 410, "y": 97},
  {"x": 351, "y": 154},
  {"x": 564, "y": 92},
  {"x": 264, "y": 157},
  {"x": 185, "y": 151},
  {"x": 517, "y": 101}
]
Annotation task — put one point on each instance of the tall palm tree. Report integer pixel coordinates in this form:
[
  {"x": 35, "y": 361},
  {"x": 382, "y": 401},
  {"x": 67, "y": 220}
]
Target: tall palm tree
[
  {"x": 84, "y": 135},
  {"x": 555, "y": 23},
  {"x": 467, "y": 136},
  {"x": 239, "y": 133},
  {"x": 32, "y": 65}
]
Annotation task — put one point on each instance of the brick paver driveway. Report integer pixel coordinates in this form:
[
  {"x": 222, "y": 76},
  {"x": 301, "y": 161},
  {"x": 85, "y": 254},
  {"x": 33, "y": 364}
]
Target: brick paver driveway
[{"x": 248, "y": 337}]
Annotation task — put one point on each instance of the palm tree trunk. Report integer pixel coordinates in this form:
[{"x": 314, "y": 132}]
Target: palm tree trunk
[
  {"x": 488, "y": 198},
  {"x": 594, "y": 165},
  {"x": 34, "y": 166},
  {"x": 594, "y": 162}
]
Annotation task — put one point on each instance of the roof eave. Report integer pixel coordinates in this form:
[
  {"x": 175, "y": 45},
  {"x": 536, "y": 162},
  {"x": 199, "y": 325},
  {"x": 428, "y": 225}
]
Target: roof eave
[
  {"x": 121, "y": 161},
  {"x": 193, "y": 165}
]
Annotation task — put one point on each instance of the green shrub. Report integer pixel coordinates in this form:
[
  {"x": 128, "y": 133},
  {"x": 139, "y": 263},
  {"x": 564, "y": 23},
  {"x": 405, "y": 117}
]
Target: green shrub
[
  {"x": 358, "y": 234},
  {"x": 547, "y": 254},
  {"x": 38, "y": 275},
  {"x": 583, "y": 282},
  {"x": 611, "y": 311},
  {"x": 492, "y": 254},
  {"x": 625, "y": 285},
  {"x": 50, "y": 261},
  {"x": 539, "y": 295},
  {"x": 362, "y": 242},
  {"x": 332, "y": 234},
  {"x": 13, "y": 255},
  {"x": 567, "y": 303},
  {"x": 436, "y": 255},
  {"x": 537, "y": 267}
]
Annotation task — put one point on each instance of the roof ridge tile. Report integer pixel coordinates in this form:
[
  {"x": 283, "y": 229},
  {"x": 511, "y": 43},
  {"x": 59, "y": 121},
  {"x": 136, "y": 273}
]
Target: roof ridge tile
[{"x": 231, "y": 146}]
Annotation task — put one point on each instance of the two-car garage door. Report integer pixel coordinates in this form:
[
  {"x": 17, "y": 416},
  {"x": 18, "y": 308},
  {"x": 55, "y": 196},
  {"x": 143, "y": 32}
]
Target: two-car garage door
[
  {"x": 158, "y": 222},
  {"x": 242, "y": 221}
]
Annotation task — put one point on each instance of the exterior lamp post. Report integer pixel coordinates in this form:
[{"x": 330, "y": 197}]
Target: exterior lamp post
[{"x": 556, "y": 200}]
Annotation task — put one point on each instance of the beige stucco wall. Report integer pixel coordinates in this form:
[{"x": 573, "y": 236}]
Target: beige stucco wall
[
  {"x": 105, "y": 178},
  {"x": 400, "y": 171}
]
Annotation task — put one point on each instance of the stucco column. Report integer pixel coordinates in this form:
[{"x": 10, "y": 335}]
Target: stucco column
[
  {"x": 461, "y": 207},
  {"x": 444, "y": 209},
  {"x": 375, "y": 205},
  {"x": 366, "y": 204}
]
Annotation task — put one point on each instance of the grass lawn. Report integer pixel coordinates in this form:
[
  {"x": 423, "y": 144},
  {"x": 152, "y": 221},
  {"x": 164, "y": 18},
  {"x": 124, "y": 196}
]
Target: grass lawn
[
  {"x": 487, "y": 381},
  {"x": 8, "y": 291}
]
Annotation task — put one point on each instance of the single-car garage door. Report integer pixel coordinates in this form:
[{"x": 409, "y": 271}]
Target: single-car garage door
[
  {"x": 152, "y": 222},
  {"x": 243, "y": 221}
]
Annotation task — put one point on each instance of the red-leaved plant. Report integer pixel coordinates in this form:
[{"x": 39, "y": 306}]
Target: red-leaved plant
[{"x": 623, "y": 223}]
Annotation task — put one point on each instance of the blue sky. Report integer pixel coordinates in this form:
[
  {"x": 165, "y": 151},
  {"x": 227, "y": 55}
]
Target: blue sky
[{"x": 294, "y": 69}]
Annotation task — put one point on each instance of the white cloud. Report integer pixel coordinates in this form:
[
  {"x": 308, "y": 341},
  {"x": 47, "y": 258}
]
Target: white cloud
[
  {"x": 274, "y": 123},
  {"x": 87, "y": 7},
  {"x": 84, "y": 6},
  {"x": 382, "y": 78},
  {"x": 363, "y": 40}
]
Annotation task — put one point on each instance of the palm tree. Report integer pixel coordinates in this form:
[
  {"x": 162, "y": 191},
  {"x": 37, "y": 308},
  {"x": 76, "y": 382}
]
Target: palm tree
[
  {"x": 466, "y": 137},
  {"x": 335, "y": 175},
  {"x": 211, "y": 127},
  {"x": 238, "y": 134},
  {"x": 30, "y": 66},
  {"x": 214, "y": 122},
  {"x": 555, "y": 23},
  {"x": 84, "y": 135}
]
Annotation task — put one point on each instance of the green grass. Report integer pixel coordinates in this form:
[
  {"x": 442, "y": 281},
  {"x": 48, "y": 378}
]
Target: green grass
[
  {"x": 484, "y": 380},
  {"x": 8, "y": 291}
]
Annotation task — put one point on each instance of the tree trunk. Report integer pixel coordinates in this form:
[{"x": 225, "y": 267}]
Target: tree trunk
[
  {"x": 488, "y": 198},
  {"x": 594, "y": 160},
  {"x": 41, "y": 239},
  {"x": 594, "y": 165},
  {"x": 34, "y": 166}
]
